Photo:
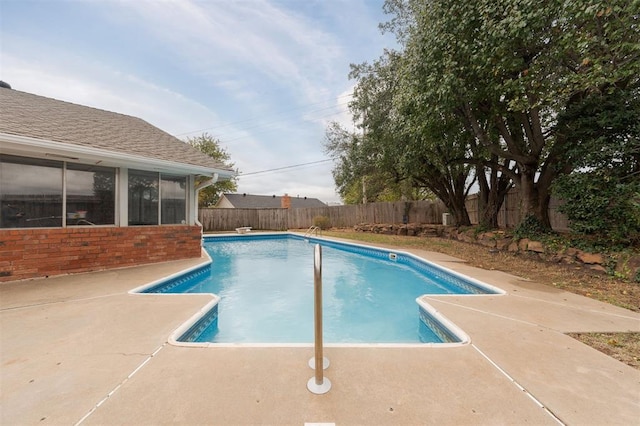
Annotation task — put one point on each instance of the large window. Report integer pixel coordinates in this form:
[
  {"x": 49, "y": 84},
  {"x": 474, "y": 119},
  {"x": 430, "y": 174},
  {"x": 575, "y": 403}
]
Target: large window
[
  {"x": 90, "y": 195},
  {"x": 173, "y": 193},
  {"x": 31, "y": 193},
  {"x": 155, "y": 198},
  {"x": 46, "y": 193},
  {"x": 143, "y": 198}
]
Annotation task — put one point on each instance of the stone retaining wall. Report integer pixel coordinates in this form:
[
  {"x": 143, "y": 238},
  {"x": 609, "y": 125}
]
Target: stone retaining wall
[{"x": 627, "y": 266}]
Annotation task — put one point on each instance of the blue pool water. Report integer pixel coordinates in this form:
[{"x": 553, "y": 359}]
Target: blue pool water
[{"x": 266, "y": 289}]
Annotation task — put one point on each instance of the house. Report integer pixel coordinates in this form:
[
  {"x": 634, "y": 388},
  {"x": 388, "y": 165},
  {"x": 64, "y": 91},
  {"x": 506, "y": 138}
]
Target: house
[
  {"x": 247, "y": 201},
  {"x": 86, "y": 189}
]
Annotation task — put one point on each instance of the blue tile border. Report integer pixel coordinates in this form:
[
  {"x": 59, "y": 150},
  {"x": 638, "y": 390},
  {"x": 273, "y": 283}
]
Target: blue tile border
[
  {"x": 195, "y": 331},
  {"x": 443, "y": 333},
  {"x": 416, "y": 263},
  {"x": 441, "y": 327},
  {"x": 170, "y": 284}
]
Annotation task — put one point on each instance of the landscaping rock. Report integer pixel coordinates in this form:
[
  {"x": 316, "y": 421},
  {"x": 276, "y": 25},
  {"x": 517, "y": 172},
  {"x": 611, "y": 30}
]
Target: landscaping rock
[
  {"x": 589, "y": 258},
  {"x": 504, "y": 243},
  {"x": 571, "y": 252},
  {"x": 488, "y": 243},
  {"x": 451, "y": 232},
  {"x": 535, "y": 246},
  {"x": 628, "y": 266},
  {"x": 467, "y": 237}
]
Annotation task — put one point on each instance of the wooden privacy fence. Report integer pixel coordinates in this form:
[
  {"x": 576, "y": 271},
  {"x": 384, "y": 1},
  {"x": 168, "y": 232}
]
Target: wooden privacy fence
[
  {"x": 339, "y": 216},
  {"x": 509, "y": 214},
  {"x": 425, "y": 211}
]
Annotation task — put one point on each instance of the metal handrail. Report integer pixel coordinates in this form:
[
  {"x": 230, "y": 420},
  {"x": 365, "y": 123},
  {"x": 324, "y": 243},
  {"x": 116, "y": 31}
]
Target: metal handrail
[
  {"x": 317, "y": 310},
  {"x": 318, "y": 384},
  {"x": 312, "y": 230}
]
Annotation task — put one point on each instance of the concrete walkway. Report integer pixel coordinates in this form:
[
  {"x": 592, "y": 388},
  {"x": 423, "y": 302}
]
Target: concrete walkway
[{"x": 81, "y": 350}]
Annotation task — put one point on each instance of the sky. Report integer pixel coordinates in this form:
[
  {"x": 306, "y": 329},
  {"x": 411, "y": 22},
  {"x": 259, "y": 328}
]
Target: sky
[{"x": 264, "y": 77}]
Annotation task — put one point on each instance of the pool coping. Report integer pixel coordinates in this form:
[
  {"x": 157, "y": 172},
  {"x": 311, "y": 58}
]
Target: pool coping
[
  {"x": 448, "y": 326},
  {"x": 78, "y": 349}
]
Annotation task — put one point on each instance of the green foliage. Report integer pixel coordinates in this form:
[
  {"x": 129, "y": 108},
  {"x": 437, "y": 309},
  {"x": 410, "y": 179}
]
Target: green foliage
[
  {"x": 480, "y": 229},
  {"x": 209, "y": 145},
  {"x": 503, "y": 71},
  {"x": 322, "y": 222},
  {"x": 598, "y": 205},
  {"x": 602, "y": 196},
  {"x": 397, "y": 156},
  {"x": 360, "y": 174},
  {"x": 602, "y": 130},
  {"x": 518, "y": 92},
  {"x": 530, "y": 227}
]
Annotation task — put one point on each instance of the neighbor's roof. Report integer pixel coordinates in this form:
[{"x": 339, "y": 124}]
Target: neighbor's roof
[
  {"x": 37, "y": 117},
  {"x": 247, "y": 201}
]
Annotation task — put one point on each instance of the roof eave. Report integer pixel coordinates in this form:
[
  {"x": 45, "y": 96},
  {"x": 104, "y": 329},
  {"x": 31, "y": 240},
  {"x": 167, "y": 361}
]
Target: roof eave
[{"x": 42, "y": 148}]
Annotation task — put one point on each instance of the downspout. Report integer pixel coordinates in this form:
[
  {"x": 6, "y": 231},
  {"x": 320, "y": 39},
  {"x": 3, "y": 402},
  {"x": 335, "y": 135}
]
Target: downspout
[{"x": 198, "y": 188}]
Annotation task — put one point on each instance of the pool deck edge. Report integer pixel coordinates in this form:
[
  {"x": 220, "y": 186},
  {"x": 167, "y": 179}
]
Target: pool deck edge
[{"x": 69, "y": 343}]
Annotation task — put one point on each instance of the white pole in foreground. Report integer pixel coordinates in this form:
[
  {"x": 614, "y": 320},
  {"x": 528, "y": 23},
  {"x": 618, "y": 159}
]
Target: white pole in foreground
[{"x": 318, "y": 384}]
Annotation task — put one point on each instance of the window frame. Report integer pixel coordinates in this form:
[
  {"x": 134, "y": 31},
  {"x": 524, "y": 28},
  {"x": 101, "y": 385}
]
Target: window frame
[
  {"x": 159, "y": 178},
  {"x": 185, "y": 204},
  {"x": 63, "y": 167},
  {"x": 120, "y": 190}
]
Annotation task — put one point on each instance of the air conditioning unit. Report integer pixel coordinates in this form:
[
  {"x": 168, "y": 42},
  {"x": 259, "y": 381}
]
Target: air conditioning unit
[{"x": 447, "y": 219}]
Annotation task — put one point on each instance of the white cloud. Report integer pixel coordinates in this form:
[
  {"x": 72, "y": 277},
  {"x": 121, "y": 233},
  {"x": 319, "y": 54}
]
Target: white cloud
[
  {"x": 225, "y": 38},
  {"x": 263, "y": 76}
]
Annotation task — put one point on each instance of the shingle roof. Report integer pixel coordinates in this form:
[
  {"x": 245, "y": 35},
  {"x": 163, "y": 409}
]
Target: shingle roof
[
  {"x": 25, "y": 114},
  {"x": 247, "y": 201}
]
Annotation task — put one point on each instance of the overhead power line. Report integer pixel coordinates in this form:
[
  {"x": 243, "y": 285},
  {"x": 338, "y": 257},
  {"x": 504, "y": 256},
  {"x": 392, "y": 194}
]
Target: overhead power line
[{"x": 285, "y": 167}]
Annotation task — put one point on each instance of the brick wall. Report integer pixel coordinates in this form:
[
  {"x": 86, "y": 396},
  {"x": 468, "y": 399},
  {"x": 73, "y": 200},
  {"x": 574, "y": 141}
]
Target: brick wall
[{"x": 40, "y": 252}]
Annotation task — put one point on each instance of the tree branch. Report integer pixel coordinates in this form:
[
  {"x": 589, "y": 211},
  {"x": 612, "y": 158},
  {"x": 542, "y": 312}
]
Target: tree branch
[{"x": 512, "y": 174}]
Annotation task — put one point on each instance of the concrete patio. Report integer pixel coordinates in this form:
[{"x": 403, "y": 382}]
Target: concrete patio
[{"x": 81, "y": 350}]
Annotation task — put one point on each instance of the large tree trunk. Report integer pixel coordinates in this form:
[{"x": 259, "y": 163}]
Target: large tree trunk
[
  {"x": 491, "y": 197},
  {"x": 459, "y": 210},
  {"x": 454, "y": 199},
  {"x": 489, "y": 205},
  {"x": 528, "y": 193},
  {"x": 493, "y": 192},
  {"x": 534, "y": 200},
  {"x": 452, "y": 190},
  {"x": 543, "y": 210},
  {"x": 544, "y": 198},
  {"x": 455, "y": 203},
  {"x": 459, "y": 197}
]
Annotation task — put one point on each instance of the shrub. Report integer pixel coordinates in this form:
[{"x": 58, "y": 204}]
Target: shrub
[
  {"x": 530, "y": 227},
  {"x": 600, "y": 206},
  {"x": 322, "y": 222}
]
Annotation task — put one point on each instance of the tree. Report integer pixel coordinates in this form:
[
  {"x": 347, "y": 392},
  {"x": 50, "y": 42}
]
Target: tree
[
  {"x": 355, "y": 174},
  {"x": 602, "y": 195},
  {"x": 505, "y": 69},
  {"x": 210, "y": 195},
  {"x": 397, "y": 157},
  {"x": 442, "y": 146}
]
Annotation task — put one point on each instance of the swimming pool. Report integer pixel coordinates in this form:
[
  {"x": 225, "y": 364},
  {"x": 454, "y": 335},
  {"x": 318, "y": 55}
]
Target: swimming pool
[{"x": 265, "y": 283}]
